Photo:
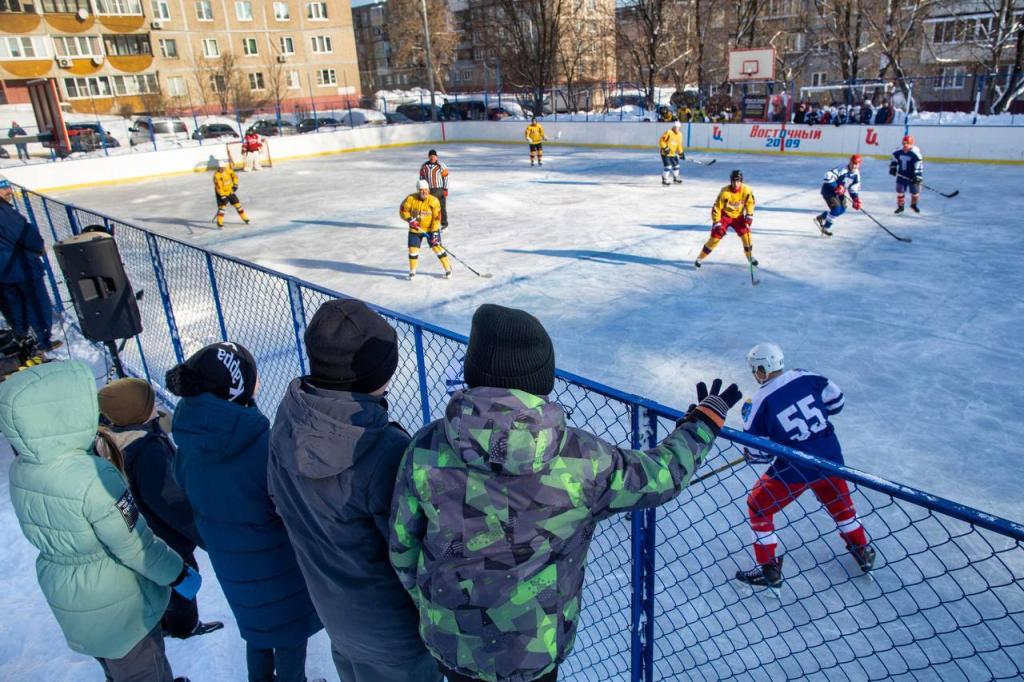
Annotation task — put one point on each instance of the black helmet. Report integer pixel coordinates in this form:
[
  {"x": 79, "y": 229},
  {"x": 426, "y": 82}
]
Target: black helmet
[{"x": 736, "y": 175}]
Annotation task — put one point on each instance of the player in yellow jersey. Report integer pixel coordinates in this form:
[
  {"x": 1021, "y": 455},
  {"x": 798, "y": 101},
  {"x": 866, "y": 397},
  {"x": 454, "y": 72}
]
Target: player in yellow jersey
[
  {"x": 671, "y": 146},
  {"x": 225, "y": 184},
  {"x": 423, "y": 213},
  {"x": 734, "y": 208},
  {"x": 535, "y": 136}
]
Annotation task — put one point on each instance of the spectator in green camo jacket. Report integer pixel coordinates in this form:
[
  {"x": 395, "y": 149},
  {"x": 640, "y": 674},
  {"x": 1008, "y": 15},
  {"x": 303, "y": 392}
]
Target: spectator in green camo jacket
[{"x": 496, "y": 503}]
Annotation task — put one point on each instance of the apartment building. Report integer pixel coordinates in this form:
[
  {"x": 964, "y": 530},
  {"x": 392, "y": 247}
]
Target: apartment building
[{"x": 123, "y": 56}]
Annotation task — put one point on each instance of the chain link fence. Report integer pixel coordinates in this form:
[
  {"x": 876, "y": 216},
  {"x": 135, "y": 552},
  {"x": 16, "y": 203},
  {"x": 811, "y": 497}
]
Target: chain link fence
[{"x": 944, "y": 601}]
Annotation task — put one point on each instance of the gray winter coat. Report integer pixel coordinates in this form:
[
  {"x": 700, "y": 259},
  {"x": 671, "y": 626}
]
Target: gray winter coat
[{"x": 333, "y": 460}]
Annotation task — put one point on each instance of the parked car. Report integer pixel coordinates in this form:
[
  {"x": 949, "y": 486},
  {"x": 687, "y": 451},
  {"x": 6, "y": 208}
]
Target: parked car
[
  {"x": 393, "y": 117},
  {"x": 420, "y": 112},
  {"x": 362, "y": 117},
  {"x": 213, "y": 131},
  {"x": 498, "y": 114},
  {"x": 86, "y": 137},
  {"x": 471, "y": 110},
  {"x": 162, "y": 129},
  {"x": 308, "y": 125},
  {"x": 272, "y": 127}
]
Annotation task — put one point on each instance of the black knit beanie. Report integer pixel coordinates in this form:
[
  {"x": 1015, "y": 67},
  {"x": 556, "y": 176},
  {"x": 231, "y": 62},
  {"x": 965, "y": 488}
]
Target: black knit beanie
[
  {"x": 227, "y": 370},
  {"x": 509, "y": 348},
  {"x": 350, "y": 347}
]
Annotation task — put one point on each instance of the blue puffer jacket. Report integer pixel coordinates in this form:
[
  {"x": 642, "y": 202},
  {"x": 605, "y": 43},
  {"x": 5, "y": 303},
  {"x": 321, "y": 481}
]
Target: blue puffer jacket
[
  {"x": 222, "y": 467},
  {"x": 21, "y": 246}
]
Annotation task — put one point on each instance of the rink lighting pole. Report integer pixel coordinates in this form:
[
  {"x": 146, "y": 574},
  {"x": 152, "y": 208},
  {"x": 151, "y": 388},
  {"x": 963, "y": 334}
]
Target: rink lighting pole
[{"x": 430, "y": 61}]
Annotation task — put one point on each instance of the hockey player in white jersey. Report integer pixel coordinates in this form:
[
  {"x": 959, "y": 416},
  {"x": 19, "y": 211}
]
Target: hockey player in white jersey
[
  {"x": 840, "y": 189},
  {"x": 794, "y": 407}
]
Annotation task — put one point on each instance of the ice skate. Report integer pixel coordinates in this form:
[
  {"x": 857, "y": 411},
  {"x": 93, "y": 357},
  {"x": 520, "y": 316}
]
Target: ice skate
[
  {"x": 447, "y": 274},
  {"x": 915, "y": 208},
  {"x": 820, "y": 222},
  {"x": 412, "y": 275},
  {"x": 765, "y": 575},
  {"x": 677, "y": 181},
  {"x": 665, "y": 182},
  {"x": 697, "y": 263},
  {"x": 899, "y": 209},
  {"x": 865, "y": 556}
]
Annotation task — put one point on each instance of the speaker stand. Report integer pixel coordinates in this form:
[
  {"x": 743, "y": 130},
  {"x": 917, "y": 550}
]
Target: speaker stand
[{"x": 116, "y": 357}]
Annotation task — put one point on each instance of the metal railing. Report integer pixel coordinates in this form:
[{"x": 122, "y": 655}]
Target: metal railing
[{"x": 945, "y": 600}]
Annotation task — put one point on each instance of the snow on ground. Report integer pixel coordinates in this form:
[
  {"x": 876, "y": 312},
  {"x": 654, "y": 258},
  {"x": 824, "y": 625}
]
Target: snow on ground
[{"x": 920, "y": 336}]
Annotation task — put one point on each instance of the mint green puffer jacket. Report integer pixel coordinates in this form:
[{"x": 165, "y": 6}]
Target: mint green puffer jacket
[{"x": 102, "y": 570}]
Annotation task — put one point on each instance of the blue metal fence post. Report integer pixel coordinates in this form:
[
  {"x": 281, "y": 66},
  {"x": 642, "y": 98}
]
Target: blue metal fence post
[
  {"x": 650, "y": 538},
  {"x": 421, "y": 371},
  {"x": 298, "y": 320},
  {"x": 49, "y": 218},
  {"x": 165, "y": 295},
  {"x": 644, "y": 434},
  {"x": 142, "y": 357},
  {"x": 152, "y": 133},
  {"x": 31, "y": 216},
  {"x": 216, "y": 297},
  {"x": 72, "y": 219}
]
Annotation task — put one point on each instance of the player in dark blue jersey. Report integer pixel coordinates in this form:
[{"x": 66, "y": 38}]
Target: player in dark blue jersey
[
  {"x": 794, "y": 407},
  {"x": 907, "y": 166},
  {"x": 840, "y": 188}
]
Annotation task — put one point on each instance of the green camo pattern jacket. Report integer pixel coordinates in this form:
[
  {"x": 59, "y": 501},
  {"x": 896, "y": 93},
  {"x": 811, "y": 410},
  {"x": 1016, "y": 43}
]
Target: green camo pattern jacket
[{"x": 492, "y": 516}]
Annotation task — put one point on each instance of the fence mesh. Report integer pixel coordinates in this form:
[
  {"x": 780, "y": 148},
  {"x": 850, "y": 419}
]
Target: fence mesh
[{"x": 945, "y": 600}]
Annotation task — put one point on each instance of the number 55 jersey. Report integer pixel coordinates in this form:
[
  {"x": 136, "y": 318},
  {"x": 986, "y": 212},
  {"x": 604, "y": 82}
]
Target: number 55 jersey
[{"x": 794, "y": 409}]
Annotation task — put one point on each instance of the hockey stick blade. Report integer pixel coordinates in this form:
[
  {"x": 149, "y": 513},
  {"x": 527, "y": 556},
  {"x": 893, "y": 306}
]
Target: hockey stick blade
[
  {"x": 905, "y": 240},
  {"x": 948, "y": 196},
  {"x": 485, "y": 275},
  {"x": 753, "y": 280}
]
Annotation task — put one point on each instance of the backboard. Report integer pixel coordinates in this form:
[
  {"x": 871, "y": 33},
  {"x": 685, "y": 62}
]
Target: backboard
[
  {"x": 49, "y": 117},
  {"x": 752, "y": 64}
]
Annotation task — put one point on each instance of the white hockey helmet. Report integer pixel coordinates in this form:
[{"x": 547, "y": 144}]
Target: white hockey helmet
[
  {"x": 222, "y": 163},
  {"x": 765, "y": 356},
  {"x": 677, "y": 125},
  {"x": 422, "y": 184}
]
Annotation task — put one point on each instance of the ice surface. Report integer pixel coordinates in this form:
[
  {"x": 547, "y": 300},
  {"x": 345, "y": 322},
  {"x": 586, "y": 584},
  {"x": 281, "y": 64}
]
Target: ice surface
[{"x": 921, "y": 337}]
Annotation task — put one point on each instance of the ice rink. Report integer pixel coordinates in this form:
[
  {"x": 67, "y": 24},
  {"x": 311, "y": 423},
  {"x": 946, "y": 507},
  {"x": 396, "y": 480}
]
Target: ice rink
[{"x": 923, "y": 337}]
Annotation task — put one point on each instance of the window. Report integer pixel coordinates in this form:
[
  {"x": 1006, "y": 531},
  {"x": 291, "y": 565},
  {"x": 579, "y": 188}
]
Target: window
[
  {"x": 118, "y": 7},
  {"x": 317, "y": 11},
  {"x": 127, "y": 45},
  {"x": 287, "y": 45},
  {"x": 210, "y": 48},
  {"x": 467, "y": 75},
  {"x": 818, "y": 78},
  {"x": 169, "y": 49},
  {"x": 161, "y": 10},
  {"x": 243, "y": 10},
  {"x": 795, "y": 42},
  {"x": 294, "y": 83},
  {"x": 64, "y": 6},
  {"x": 963, "y": 29},
  {"x": 138, "y": 84},
  {"x": 10, "y": 6},
  {"x": 779, "y": 8},
  {"x": 24, "y": 47},
  {"x": 217, "y": 83},
  {"x": 281, "y": 12},
  {"x": 204, "y": 10},
  {"x": 249, "y": 47},
  {"x": 77, "y": 46},
  {"x": 326, "y": 77},
  {"x": 953, "y": 78},
  {"x": 256, "y": 81},
  {"x": 322, "y": 45},
  {"x": 84, "y": 88},
  {"x": 176, "y": 86}
]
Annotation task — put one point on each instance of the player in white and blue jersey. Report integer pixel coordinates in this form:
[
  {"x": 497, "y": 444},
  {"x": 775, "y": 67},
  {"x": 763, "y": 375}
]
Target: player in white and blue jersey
[
  {"x": 840, "y": 188},
  {"x": 907, "y": 166},
  {"x": 794, "y": 407}
]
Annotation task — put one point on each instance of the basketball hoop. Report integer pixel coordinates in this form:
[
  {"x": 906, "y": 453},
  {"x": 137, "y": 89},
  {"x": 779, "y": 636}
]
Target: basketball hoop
[
  {"x": 752, "y": 64},
  {"x": 750, "y": 67}
]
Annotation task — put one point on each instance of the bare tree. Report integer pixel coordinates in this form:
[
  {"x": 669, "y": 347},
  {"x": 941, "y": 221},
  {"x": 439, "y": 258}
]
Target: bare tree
[
  {"x": 654, "y": 36},
  {"x": 895, "y": 27},
  {"x": 1014, "y": 85},
  {"x": 585, "y": 51},
  {"x": 276, "y": 76},
  {"x": 527, "y": 35},
  {"x": 843, "y": 22},
  {"x": 221, "y": 81},
  {"x": 408, "y": 44}
]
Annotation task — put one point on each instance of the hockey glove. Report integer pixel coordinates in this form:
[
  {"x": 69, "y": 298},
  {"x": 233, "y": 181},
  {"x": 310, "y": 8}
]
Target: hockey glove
[
  {"x": 748, "y": 221},
  {"x": 682, "y": 156},
  {"x": 892, "y": 168},
  {"x": 756, "y": 456},
  {"x": 234, "y": 188},
  {"x": 446, "y": 193},
  {"x": 840, "y": 190},
  {"x": 712, "y": 406},
  {"x": 717, "y": 225},
  {"x": 414, "y": 224},
  {"x": 188, "y": 582},
  {"x": 856, "y": 203},
  {"x": 918, "y": 179}
]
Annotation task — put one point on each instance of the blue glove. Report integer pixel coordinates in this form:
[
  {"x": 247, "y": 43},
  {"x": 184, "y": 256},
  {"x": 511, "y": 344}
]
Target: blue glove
[{"x": 188, "y": 582}]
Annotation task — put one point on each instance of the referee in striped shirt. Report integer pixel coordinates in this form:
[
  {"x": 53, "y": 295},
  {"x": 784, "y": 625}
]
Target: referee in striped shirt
[{"x": 436, "y": 175}]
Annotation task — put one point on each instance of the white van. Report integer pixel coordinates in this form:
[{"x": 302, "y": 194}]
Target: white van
[{"x": 166, "y": 131}]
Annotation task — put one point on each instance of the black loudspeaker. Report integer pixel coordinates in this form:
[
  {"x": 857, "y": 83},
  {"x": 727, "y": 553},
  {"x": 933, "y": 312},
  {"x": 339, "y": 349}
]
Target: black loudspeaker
[{"x": 103, "y": 297}]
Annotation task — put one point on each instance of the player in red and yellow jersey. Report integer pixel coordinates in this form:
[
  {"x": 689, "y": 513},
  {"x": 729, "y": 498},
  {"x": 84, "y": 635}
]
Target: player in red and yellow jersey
[
  {"x": 423, "y": 213},
  {"x": 225, "y": 184},
  {"x": 535, "y": 136},
  {"x": 671, "y": 146},
  {"x": 734, "y": 208}
]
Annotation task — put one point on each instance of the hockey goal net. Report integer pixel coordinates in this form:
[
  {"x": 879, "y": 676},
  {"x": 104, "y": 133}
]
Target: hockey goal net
[{"x": 237, "y": 159}]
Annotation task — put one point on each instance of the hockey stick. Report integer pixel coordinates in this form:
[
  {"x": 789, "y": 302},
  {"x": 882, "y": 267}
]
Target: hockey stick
[
  {"x": 948, "y": 196},
  {"x": 753, "y": 280},
  {"x": 891, "y": 233},
  {"x": 485, "y": 275},
  {"x": 715, "y": 472},
  {"x": 703, "y": 163}
]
